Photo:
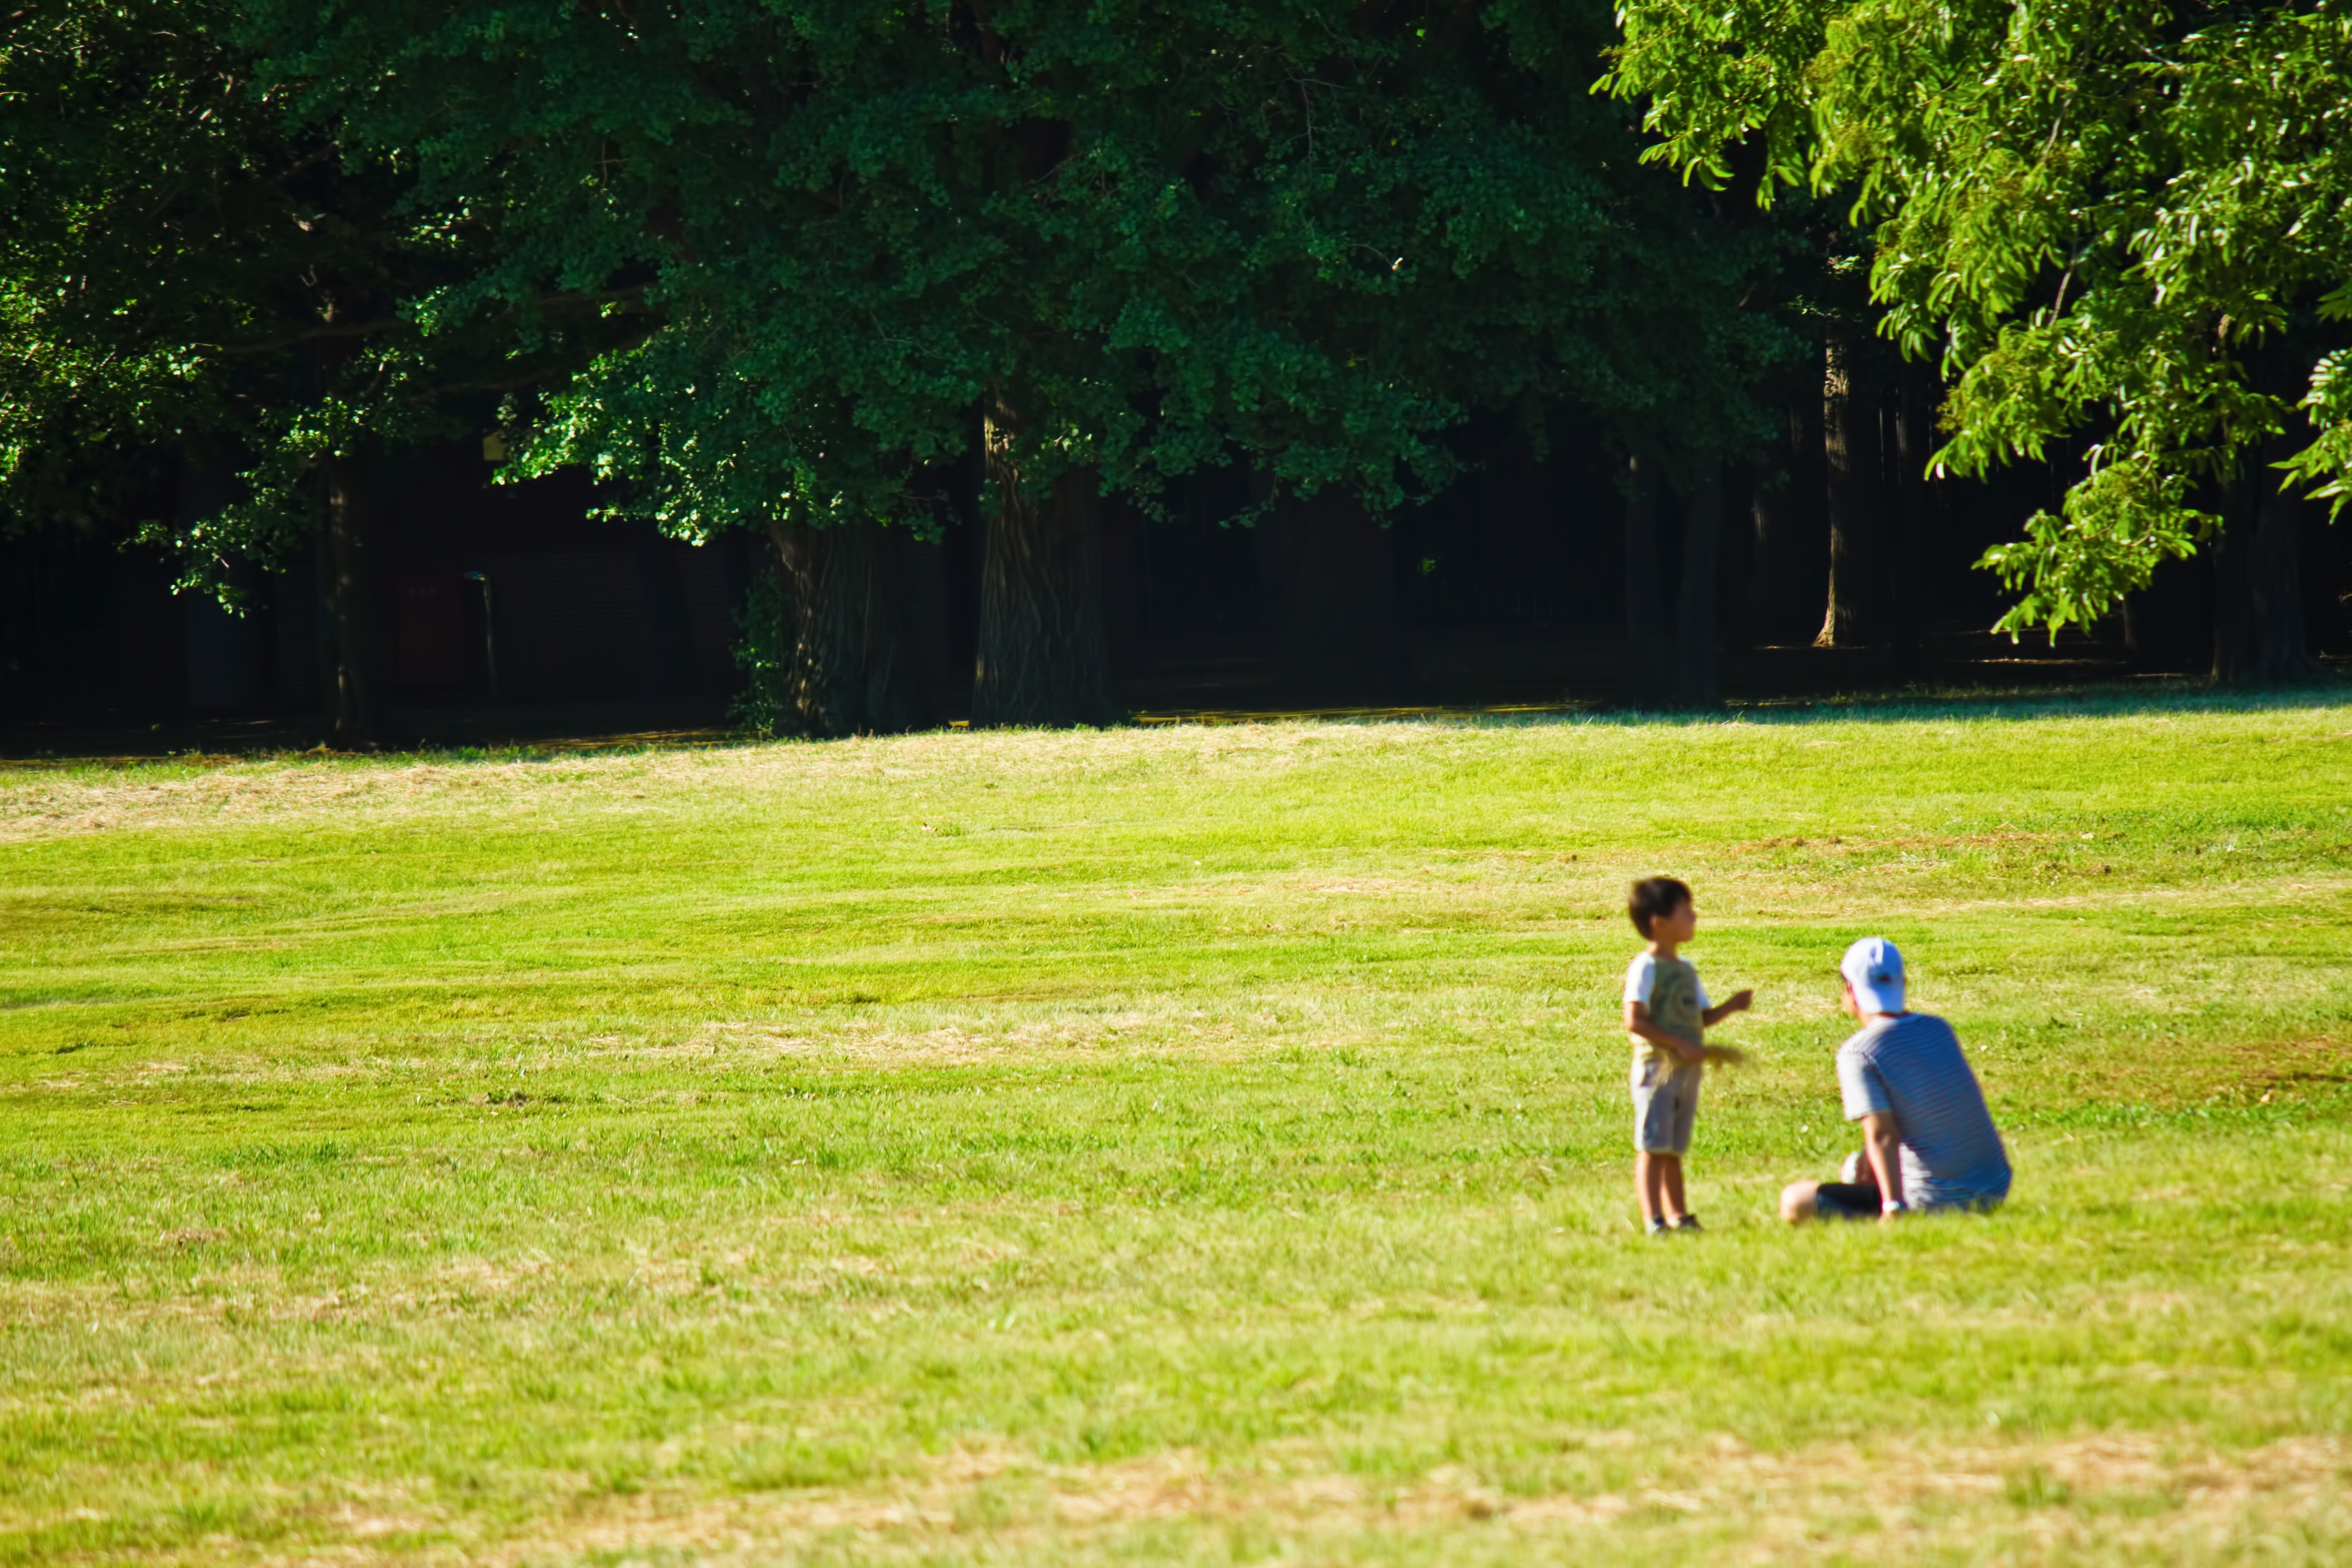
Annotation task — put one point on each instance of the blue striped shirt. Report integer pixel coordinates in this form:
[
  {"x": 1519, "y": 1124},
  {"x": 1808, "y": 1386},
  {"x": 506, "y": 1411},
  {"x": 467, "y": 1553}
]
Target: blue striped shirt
[{"x": 1911, "y": 1068}]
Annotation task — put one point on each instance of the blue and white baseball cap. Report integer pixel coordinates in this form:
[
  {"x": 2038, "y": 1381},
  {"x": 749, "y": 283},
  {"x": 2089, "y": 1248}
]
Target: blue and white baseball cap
[{"x": 1875, "y": 970}]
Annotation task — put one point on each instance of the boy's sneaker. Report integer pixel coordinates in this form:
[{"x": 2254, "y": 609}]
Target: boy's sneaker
[
  {"x": 1688, "y": 1222},
  {"x": 1659, "y": 1227}
]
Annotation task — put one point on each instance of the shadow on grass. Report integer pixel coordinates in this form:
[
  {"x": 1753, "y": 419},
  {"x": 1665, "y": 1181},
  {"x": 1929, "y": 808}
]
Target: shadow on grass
[
  {"x": 2150, "y": 695},
  {"x": 2154, "y": 696}
]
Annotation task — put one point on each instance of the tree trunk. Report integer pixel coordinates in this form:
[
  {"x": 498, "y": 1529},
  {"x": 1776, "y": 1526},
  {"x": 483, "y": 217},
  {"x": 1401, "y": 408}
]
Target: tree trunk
[
  {"x": 1695, "y": 685},
  {"x": 1790, "y": 530},
  {"x": 1912, "y": 510},
  {"x": 848, "y": 673},
  {"x": 1340, "y": 638},
  {"x": 350, "y": 661},
  {"x": 1043, "y": 657},
  {"x": 2258, "y": 622},
  {"x": 1857, "y": 614},
  {"x": 1649, "y": 653}
]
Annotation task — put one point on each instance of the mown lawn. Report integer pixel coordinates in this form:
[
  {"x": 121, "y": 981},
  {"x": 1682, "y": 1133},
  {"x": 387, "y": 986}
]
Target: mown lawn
[{"x": 1189, "y": 1145}]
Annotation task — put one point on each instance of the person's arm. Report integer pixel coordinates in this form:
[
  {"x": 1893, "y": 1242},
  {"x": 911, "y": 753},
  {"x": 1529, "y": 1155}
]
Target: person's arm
[
  {"x": 1883, "y": 1147},
  {"x": 1639, "y": 1025},
  {"x": 1738, "y": 1003}
]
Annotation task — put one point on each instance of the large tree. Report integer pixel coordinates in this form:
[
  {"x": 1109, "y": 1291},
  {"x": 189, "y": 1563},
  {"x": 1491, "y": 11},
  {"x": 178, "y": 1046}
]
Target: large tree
[
  {"x": 1111, "y": 243},
  {"x": 2125, "y": 224}
]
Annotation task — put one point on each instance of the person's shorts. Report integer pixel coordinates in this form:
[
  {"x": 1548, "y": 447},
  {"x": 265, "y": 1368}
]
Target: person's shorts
[
  {"x": 1665, "y": 1106},
  {"x": 1847, "y": 1200},
  {"x": 1860, "y": 1200}
]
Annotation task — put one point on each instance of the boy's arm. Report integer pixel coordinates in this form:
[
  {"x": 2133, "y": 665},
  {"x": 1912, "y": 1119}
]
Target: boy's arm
[
  {"x": 1737, "y": 1003},
  {"x": 1638, "y": 1025}
]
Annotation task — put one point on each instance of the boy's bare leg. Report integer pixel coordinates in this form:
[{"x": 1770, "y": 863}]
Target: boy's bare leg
[
  {"x": 1676, "y": 1209},
  {"x": 1649, "y": 1184}
]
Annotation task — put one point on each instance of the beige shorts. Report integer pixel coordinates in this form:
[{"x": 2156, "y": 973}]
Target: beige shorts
[{"x": 1665, "y": 1104}]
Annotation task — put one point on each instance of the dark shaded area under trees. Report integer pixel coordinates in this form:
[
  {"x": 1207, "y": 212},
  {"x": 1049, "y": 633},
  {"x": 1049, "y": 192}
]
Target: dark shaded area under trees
[{"x": 1076, "y": 389}]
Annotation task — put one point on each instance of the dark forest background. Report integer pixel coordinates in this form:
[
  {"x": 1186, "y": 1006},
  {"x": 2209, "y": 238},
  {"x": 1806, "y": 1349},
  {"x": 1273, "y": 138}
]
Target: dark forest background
[{"x": 449, "y": 369}]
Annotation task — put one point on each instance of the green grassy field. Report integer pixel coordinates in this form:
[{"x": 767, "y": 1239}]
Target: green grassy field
[{"x": 1191, "y": 1145}]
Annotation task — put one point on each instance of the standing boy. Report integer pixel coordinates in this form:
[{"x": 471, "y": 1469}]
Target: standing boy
[{"x": 1667, "y": 1015}]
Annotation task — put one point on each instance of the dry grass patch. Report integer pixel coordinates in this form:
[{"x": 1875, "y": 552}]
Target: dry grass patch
[{"x": 2045, "y": 1500}]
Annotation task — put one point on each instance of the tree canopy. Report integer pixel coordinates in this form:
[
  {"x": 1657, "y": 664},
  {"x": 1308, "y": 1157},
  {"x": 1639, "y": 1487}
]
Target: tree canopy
[
  {"x": 2117, "y": 223},
  {"x": 1157, "y": 235},
  {"x": 1110, "y": 245},
  {"x": 196, "y": 272}
]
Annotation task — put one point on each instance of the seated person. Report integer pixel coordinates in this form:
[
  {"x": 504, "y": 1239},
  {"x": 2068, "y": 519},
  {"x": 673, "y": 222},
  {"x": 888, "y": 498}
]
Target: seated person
[{"x": 1928, "y": 1142}]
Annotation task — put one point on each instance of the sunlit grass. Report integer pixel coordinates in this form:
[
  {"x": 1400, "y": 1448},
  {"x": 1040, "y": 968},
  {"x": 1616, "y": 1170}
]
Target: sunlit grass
[{"x": 1186, "y": 1144}]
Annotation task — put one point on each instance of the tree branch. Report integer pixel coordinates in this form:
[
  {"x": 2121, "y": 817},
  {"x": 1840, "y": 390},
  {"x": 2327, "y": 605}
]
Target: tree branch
[
  {"x": 314, "y": 335},
  {"x": 530, "y": 377},
  {"x": 552, "y": 304}
]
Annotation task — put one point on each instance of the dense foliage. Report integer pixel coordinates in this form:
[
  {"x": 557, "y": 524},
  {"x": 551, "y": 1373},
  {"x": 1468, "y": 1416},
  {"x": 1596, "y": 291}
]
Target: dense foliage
[
  {"x": 2119, "y": 223},
  {"x": 196, "y": 274},
  {"x": 775, "y": 265},
  {"x": 1147, "y": 237},
  {"x": 165, "y": 251}
]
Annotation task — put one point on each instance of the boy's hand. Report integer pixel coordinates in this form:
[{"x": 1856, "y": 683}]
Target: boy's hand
[
  {"x": 1739, "y": 1001},
  {"x": 1690, "y": 1053}
]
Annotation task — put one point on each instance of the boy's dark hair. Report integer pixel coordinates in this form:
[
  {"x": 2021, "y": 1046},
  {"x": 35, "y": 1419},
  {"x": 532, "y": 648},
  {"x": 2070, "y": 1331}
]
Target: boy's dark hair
[{"x": 1653, "y": 897}]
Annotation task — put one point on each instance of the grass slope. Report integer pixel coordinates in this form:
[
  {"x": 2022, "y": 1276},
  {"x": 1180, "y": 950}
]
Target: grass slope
[{"x": 1188, "y": 1145}]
